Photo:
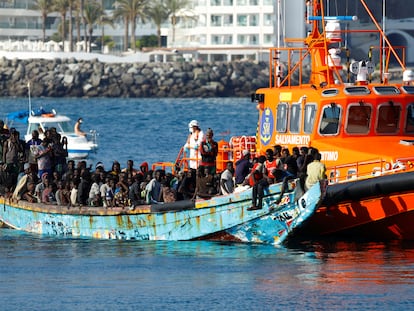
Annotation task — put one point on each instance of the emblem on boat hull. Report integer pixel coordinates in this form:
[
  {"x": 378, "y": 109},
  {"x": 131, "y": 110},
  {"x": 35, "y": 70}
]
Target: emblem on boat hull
[{"x": 266, "y": 126}]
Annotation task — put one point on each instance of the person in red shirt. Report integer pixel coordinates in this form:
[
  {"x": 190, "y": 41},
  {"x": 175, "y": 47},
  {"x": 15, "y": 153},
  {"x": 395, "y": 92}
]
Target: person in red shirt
[
  {"x": 259, "y": 182},
  {"x": 270, "y": 164},
  {"x": 208, "y": 151}
]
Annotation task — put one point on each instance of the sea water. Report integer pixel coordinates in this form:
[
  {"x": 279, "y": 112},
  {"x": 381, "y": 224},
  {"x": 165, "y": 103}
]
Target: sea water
[{"x": 49, "y": 273}]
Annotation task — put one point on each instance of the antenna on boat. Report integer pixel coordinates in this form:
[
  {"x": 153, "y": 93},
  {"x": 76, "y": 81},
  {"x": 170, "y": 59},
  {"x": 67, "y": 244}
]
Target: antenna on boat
[
  {"x": 30, "y": 100},
  {"x": 384, "y": 60},
  {"x": 278, "y": 69}
]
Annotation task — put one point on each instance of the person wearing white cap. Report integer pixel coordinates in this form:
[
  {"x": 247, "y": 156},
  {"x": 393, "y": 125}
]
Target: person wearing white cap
[{"x": 193, "y": 142}]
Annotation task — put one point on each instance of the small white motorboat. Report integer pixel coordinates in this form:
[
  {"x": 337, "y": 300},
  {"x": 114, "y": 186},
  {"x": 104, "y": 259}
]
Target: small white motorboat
[{"x": 79, "y": 147}]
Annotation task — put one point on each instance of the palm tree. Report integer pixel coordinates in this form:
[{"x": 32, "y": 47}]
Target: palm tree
[
  {"x": 72, "y": 5},
  {"x": 133, "y": 9},
  {"x": 44, "y": 6},
  {"x": 158, "y": 13},
  {"x": 174, "y": 6},
  {"x": 120, "y": 12},
  {"x": 94, "y": 13},
  {"x": 61, "y": 6},
  {"x": 105, "y": 20}
]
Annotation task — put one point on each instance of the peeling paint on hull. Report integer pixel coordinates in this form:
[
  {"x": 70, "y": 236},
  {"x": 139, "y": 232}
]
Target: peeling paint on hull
[{"x": 272, "y": 224}]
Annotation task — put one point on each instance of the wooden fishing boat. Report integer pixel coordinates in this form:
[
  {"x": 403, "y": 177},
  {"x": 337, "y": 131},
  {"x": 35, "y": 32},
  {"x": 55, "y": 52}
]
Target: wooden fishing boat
[
  {"x": 285, "y": 208},
  {"x": 361, "y": 123}
]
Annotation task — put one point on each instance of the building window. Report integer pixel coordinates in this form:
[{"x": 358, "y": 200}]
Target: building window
[
  {"x": 215, "y": 2},
  {"x": 254, "y": 20},
  {"x": 241, "y": 39},
  {"x": 228, "y": 2},
  {"x": 216, "y": 20},
  {"x": 268, "y": 39},
  {"x": 241, "y": 20},
  {"x": 242, "y": 2},
  {"x": 253, "y": 2},
  {"x": 222, "y": 39},
  {"x": 268, "y": 19},
  {"x": 202, "y": 18},
  {"x": 228, "y": 20},
  {"x": 215, "y": 40},
  {"x": 267, "y": 2},
  {"x": 254, "y": 39},
  {"x": 227, "y": 39}
]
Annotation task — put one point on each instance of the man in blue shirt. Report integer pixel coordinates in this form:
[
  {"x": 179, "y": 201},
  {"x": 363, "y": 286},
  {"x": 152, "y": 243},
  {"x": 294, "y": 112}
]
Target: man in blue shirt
[{"x": 243, "y": 167}]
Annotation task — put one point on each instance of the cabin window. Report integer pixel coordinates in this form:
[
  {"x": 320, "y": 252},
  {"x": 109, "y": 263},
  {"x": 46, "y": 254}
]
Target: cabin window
[
  {"x": 295, "y": 112},
  {"x": 281, "y": 119},
  {"x": 309, "y": 118},
  {"x": 63, "y": 126},
  {"x": 408, "y": 89},
  {"x": 409, "y": 122},
  {"x": 359, "y": 119},
  {"x": 388, "y": 118},
  {"x": 32, "y": 127},
  {"x": 330, "y": 119},
  {"x": 334, "y": 176}
]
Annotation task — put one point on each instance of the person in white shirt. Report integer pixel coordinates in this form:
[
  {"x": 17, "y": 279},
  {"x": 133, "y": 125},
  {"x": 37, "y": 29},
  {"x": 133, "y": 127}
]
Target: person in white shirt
[
  {"x": 226, "y": 179},
  {"x": 193, "y": 142}
]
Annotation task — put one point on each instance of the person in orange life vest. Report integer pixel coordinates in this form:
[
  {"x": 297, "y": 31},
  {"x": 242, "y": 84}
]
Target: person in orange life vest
[
  {"x": 208, "y": 151},
  {"x": 270, "y": 164},
  {"x": 260, "y": 182}
]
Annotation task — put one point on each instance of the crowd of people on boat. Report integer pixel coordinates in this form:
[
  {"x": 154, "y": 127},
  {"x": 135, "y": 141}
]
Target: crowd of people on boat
[{"x": 38, "y": 171}]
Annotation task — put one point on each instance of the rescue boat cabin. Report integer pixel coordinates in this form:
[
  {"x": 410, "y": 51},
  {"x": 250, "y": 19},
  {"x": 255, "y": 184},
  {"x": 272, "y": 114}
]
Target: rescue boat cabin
[{"x": 350, "y": 119}]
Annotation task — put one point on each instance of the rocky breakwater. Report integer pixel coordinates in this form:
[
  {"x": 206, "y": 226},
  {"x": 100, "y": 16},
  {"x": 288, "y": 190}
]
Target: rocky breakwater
[{"x": 92, "y": 78}]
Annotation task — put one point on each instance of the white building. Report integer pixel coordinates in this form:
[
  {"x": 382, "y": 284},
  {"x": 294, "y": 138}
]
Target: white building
[{"x": 208, "y": 30}]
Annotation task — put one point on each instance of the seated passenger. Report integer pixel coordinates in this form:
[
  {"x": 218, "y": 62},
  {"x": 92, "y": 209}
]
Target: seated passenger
[
  {"x": 94, "y": 198},
  {"x": 205, "y": 184},
  {"x": 242, "y": 168},
  {"x": 153, "y": 188},
  {"x": 188, "y": 185},
  {"x": 29, "y": 193},
  {"x": 48, "y": 194},
  {"x": 135, "y": 190},
  {"x": 40, "y": 187},
  {"x": 226, "y": 179},
  {"x": 62, "y": 194},
  {"x": 167, "y": 193},
  {"x": 77, "y": 128}
]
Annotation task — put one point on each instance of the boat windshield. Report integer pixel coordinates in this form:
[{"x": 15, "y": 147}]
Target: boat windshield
[
  {"x": 295, "y": 114},
  {"x": 61, "y": 127},
  {"x": 359, "y": 119},
  {"x": 330, "y": 119},
  {"x": 309, "y": 118},
  {"x": 409, "y": 123},
  {"x": 281, "y": 121},
  {"x": 388, "y": 118}
]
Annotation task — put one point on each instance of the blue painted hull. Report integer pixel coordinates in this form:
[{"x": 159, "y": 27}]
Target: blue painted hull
[{"x": 223, "y": 214}]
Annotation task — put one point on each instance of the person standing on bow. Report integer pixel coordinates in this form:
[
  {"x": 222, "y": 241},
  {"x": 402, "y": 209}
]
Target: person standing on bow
[
  {"x": 208, "y": 151},
  {"x": 193, "y": 143}
]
